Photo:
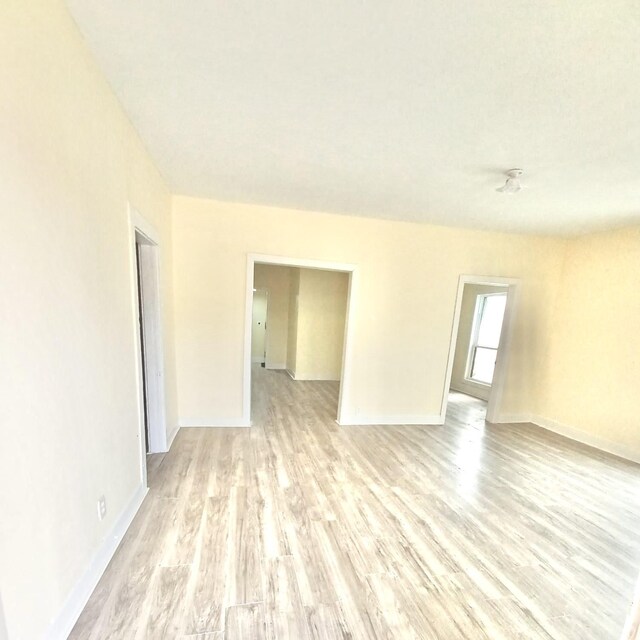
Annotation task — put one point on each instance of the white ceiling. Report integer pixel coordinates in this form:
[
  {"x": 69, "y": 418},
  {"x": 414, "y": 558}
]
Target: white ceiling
[{"x": 404, "y": 109}]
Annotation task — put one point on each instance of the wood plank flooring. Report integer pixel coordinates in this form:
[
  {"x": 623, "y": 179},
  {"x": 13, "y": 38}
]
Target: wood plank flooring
[{"x": 299, "y": 529}]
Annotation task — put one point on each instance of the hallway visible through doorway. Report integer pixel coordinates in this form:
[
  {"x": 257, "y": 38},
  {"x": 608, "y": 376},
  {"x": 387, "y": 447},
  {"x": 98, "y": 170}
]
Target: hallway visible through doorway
[{"x": 299, "y": 321}]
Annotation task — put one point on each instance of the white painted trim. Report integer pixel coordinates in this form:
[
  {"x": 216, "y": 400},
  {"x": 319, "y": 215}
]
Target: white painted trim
[
  {"x": 483, "y": 386},
  {"x": 631, "y": 629},
  {"x": 213, "y": 422},
  {"x": 347, "y": 355},
  {"x": 4, "y": 634},
  {"x": 68, "y": 616},
  {"x": 138, "y": 223},
  {"x": 172, "y": 437},
  {"x": 374, "y": 421},
  {"x": 347, "y": 351},
  {"x": 512, "y": 418},
  {"x": 471, "y": 390},
  {"x": 494, "y": 404},
  {"x": 590, "y": 439},
  {"x": 153, "y": 346},
  {"x": 506, "y": 338},
  {"x": 303, "y": 263},
  {"x": 573, "y": 433}
]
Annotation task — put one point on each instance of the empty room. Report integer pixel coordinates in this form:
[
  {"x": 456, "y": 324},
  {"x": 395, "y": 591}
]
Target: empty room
[{"x": 319, "y": 320}]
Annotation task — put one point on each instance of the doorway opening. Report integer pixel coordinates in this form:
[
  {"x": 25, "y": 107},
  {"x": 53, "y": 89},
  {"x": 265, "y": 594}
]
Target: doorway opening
[
  {"x": 143, "y": 360},
  {"x": 297, "y": 325},
  {"x": 146, "y": 262},
  {"x": 478, "y": 353},
  {"x": 259, "y": 326}
]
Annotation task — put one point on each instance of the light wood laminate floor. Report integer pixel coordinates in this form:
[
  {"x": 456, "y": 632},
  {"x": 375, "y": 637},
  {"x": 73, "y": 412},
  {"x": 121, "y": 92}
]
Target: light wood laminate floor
[{"x": 299, "y": 529}]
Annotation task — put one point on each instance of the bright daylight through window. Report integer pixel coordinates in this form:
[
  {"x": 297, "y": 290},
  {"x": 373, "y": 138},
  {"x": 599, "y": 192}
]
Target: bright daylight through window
[{"x": 485, "y": 339}]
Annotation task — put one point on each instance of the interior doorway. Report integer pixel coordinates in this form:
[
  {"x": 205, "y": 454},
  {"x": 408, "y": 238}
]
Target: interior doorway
[
  {"x": 259, "y": 326},
  {"x": 146, "y": 286},
  {"x": 305, "y": 336},
  {"x": 141, "y": 342},
  {"x": 480, "y": 339}
]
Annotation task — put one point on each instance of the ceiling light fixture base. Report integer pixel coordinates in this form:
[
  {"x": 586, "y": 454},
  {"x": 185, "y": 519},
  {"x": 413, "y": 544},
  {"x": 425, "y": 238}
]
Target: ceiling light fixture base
[{"x": 512, "y": 185}]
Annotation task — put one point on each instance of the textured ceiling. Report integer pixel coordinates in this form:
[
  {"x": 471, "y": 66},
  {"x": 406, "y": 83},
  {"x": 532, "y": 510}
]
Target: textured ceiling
[{"x": 407, "y": 110}]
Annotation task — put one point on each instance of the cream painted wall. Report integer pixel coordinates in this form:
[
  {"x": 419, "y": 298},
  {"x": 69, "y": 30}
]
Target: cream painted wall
[
  {"x": 69, "y": 163},
  {"x": 403, "y": 304},
  {"x": 465, "y": 327},
  {"x": 592, "y": 372},
  {"x": 277, "y": 281},
  {"x": 321, "y": 317},
  {"x": 315, "y": 308}
]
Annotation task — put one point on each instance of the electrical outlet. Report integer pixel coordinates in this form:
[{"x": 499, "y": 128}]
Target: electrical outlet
[{"x": 102, "y": 507}]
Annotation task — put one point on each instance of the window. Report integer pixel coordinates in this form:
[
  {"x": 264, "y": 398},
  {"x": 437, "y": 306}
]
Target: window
[{"x": 485, "y": 337}]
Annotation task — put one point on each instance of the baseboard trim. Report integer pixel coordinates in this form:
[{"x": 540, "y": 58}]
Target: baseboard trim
[
  {"x": 64, "y": 622},
  {"x": 278, "y": 366},
  {"x": 172, "y": 437},
  {"x": 375, "y": 421},
  {"x": 513, "y": 418},
  {"x": 591, "y": 440},
  {"x": 482, "y": 393},
  {"x": 292, "y": 375},
  {"x": 214, "y": 423}
]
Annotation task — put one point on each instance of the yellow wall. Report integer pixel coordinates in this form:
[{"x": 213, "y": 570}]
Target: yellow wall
[
  {"x": 403, "y": 305},
  {"x": 314, "y": 307},
  {"x": 465, "y": 327},
  {"x": 277, "y": 281},
  {"x": 322, "y": 307},
  {"x": 592, "y": 370},
  {"x": 69, "y": 161}
]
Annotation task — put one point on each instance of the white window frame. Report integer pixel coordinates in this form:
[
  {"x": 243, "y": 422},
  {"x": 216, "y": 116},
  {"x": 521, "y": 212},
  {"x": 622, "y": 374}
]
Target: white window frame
[{"x": 481, "y": 300}]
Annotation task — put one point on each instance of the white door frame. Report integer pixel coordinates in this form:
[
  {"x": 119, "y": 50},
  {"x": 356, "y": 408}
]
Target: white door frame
[
  {"x": 631, "y": 629},
  {"x": 345, "y": 377},
  {"x": 494, "y": 405},
  {"x": 154, "y": 346}
]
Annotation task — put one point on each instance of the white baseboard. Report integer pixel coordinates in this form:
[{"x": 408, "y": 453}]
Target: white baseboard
[
  {"x": 278, "y": 365},
  {"x": 584, "y": 437},
  {"x": 481, "y": 392},
  {"x": 213, "y": 422},
  {"x": 374, "y": 421},
  {"x": 172, "y": 437},
  {"x": 64, "y": 622},
  {"x": 512, "y": 418}
]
